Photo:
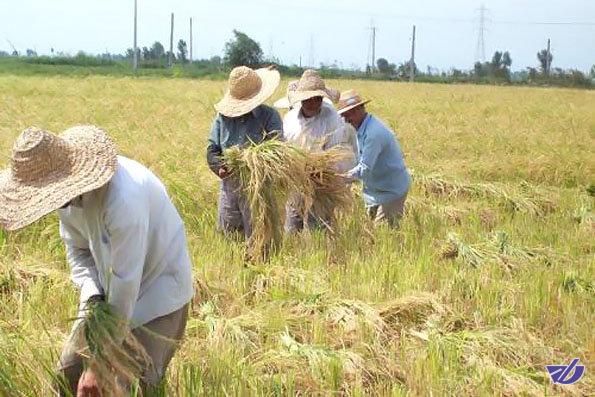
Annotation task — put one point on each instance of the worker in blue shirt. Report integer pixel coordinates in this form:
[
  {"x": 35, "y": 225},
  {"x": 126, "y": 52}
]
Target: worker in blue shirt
[{"x": 381, "y": 165}]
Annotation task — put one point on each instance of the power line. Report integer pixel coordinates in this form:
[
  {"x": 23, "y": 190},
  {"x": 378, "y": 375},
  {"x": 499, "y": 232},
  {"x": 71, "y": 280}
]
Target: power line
[{"x": 436, "y": 19}]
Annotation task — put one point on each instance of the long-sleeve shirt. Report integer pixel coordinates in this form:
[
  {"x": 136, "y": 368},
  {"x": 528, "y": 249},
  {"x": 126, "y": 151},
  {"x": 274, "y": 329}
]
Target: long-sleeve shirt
[
  {"x": 321, "y": 132},
  {"x": 127, "y": 241},
  {"x": 381, "y": 165},
  {"x": 255, "y": 127}
]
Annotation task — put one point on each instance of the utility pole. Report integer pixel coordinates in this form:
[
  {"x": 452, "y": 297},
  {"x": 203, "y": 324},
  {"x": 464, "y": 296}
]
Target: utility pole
[
  {"x": 190, "y": 40},
  {"x": 312, "y": 60},
  {"x": 480, "y": 54},
  {"x": 547, "y": 59},
  {"x": 171, "y": 43},
  {"x": 412, "y": 61},
  {"x": 135, "y": 48},
  {"x": 373, "y": 46}
]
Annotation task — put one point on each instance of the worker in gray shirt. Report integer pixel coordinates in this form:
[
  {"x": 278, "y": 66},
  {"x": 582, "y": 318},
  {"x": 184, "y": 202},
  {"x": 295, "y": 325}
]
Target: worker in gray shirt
[{"x": 242, "y": 120}]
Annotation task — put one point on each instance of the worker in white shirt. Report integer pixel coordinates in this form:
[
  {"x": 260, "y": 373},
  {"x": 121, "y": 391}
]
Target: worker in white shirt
[
  {"x": 125, "y": 241},
  {"x": 314, "y": 124}
]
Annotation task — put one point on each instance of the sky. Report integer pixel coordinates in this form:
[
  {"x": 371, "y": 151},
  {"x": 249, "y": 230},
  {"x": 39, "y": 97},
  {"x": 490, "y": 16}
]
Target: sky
[{"x": 327, "y": 31}]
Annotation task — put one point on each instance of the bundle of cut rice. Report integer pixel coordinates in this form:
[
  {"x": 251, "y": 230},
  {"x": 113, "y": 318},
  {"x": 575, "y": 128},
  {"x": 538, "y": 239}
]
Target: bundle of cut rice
[
  {"x": 110, "y": 350},
  {"x": 269, "y": 172}
]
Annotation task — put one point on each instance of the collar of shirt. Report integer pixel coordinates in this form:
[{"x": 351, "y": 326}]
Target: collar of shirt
[{"x": 362, "y": 128}]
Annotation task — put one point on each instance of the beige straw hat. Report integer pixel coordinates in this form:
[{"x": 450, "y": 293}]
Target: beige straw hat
[
  {"x": 283, "y": 103},
  {"x": 310, "y": 85},
  {"x": 47, "y": 171},
  {"x": 349, "y": 100},
  {"x": 247, "y": 89}
]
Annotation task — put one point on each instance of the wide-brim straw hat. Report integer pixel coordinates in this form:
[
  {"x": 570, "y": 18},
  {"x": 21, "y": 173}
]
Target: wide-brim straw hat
[
  {"x": 247, "y": 89},
  {"x": 283, "y": 103},
  {"x": 47, "y": 171},
  {"x": 311, "y": 85},
  {"x": 350, "y": 99}
]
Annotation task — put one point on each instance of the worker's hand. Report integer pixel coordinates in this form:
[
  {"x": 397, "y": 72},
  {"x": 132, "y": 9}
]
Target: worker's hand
[
  {"x": 88, "y": 385},
  {"x": 224, "y": 172},
  {"x": 347, "y": 178}
]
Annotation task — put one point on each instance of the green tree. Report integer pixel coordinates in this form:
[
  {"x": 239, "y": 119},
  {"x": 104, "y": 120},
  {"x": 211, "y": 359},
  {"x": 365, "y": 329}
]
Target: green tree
[
  {"x": 182, "y": 51},
  {"x": 146, "y": 53},
  {"x": 384, "y": 67},
  {"x": 242, "y": 51},
  {"x": 500, "y": 65},
  {"x": 592, "y": 73},
  {"x": 157, "y": 50},
  {"x": 545, "y": 61}
]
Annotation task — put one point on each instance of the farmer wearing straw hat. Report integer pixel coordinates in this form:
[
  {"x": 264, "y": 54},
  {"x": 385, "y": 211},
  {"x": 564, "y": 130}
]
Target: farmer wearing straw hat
[
  {"x": 283, "y": 102},
  {"x": 314, "y": 124},
  {"x": 381, "y": 165},
  {"x": 125, "y": 241},
  {"x": 242, "y": 120}
]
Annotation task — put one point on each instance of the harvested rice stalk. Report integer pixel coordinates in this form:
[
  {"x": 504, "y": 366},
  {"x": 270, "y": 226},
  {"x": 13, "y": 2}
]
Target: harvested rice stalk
[
  {"x": 110, "y": 350},
  {"x": 455, "y": 248},
  {"x": 413, "y": 311},
  {"x": 497, "y": 249},
  {"x": 267, "y": 172},
  {"x": 329, "y": 190},
  {"x": 533, "y": 202}
]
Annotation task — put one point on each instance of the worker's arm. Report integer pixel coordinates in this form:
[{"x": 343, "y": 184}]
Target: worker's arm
[
  {"x": 82, "y": 265},
  {"x": 214, "y": 149},
  {"x": 369, "y": 155},
  {"x": 127, "y": 224}
]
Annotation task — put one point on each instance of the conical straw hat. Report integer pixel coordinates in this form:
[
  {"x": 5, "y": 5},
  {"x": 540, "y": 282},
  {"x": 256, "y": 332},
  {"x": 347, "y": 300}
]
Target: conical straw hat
[
  {"x": 247, "y": 89},
  {"x": 310, "y": 85},
  {"x": 47, "y": 171}
]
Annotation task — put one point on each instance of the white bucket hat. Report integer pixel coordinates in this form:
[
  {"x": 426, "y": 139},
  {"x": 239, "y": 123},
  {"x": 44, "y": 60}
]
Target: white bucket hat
[
  {"x": 47, "y": 171},
  {"x": 247, "y": 89}
]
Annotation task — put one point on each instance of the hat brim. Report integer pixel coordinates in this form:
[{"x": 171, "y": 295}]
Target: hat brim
[
  {"x": 93, "y": 163},
  {"x": 282, "y": 103},
  {"x": 233, "y": 107},
  {"x": 299, "y": 96},
  {"x": 348, "y": 108}
]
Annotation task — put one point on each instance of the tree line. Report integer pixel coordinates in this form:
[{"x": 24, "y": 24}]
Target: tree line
[{"x": 243, "y": 50}]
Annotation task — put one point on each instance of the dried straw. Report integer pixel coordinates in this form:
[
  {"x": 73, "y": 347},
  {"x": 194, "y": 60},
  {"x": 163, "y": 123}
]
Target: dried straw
[
  {"x": 269, "y": 172},
  {"x": 110, "y": 350}
]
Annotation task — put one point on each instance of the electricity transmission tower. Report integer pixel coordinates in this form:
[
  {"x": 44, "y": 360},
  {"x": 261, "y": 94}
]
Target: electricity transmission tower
[{"x": 480, "y": 54}]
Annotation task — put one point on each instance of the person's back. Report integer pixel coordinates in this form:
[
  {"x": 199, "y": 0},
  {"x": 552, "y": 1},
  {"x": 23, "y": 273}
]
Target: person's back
[{"x": 132, "y": 212}]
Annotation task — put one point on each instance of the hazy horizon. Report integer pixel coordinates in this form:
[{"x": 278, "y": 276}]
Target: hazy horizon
[{"x": 333, "y": 31}]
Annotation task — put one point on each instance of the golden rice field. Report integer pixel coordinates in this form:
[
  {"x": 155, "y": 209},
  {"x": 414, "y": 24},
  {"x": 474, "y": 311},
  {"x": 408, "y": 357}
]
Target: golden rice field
[{"x": 491, "y": 277}]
